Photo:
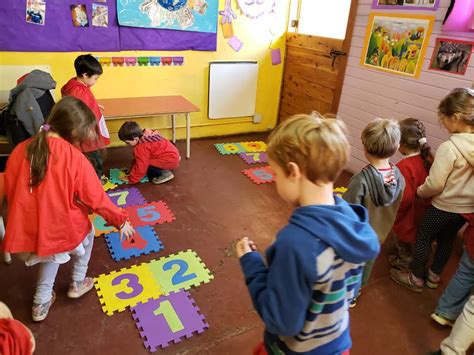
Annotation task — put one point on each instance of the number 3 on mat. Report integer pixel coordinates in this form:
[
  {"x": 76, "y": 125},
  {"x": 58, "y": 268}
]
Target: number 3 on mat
[
  {"x": 132, "y": 283},
  {"x": 179, "y": 277}
]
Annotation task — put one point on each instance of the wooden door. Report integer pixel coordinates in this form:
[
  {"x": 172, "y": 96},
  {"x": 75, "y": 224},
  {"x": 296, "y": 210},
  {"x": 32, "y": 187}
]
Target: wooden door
[{"x": 312, "y": 80}]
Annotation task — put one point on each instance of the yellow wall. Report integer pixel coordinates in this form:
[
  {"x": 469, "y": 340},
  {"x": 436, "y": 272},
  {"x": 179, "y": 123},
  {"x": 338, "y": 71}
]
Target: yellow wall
[{"x": 189, "y": 80}]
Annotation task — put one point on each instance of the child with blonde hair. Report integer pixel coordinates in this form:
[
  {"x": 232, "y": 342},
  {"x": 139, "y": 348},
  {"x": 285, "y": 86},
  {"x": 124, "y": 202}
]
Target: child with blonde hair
[
  {"x": 379, "y": 186},
  {"x": 50, "y": 188},
  {"x": 414, "y": 167},
  {"x": 450, "y": 185},
  {"x": 314, "y": 266}
]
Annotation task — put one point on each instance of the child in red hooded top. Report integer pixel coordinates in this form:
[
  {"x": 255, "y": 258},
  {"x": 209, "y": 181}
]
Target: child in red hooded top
[
  {"x": 50, "y": 188},
  {"x": 155, "y": 156},
  {"x": 88, "y": 70}
]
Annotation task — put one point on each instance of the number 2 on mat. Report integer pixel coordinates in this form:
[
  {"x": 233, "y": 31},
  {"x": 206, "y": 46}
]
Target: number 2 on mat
[
  {"x": 179, "y": 276},
  {"x": 166, "y": 309}
]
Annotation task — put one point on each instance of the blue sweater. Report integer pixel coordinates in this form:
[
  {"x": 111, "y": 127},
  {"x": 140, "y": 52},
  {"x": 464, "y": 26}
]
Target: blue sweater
[{"x": 314, "y": 269}]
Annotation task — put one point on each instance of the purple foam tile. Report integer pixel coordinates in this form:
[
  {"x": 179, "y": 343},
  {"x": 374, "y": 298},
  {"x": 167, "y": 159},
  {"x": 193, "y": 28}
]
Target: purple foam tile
[
  {"x": 254, "y": 158},
  {"x": 126, "y": 197}
]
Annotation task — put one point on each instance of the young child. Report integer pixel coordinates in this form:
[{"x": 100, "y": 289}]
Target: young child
[
  {"x": 379, "y": 186},
  {"x": 50, "y": 187},
  {"x": 88, "y": 70},
  {"x": 313, "y": 268},
  {"x": 414, "y": 168},
  {"x": 155, "y": 156},
  {"x": 450, "y": 184}
]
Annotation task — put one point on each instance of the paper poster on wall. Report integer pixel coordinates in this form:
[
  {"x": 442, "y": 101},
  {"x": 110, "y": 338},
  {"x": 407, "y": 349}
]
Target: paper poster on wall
[
  {"x": 256, "y": 8},
  {"x": 406, "y": 4},
  {"x": 184, "y": 15},
  {"x": 35, "y": 12},
  {"x": 100, "y": 15},
  {"x": 451, "y": 55},
  {"x": 459, "y": 16},
  {"x": 79, "y": 16},
  {"x": 396, "y": 43}
]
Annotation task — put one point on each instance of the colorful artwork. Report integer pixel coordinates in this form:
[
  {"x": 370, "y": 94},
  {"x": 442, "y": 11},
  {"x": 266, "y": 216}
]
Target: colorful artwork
[
  {"x": 35, "y": 12},
  {"x": 451, "y": 55},
  {"x": 396, "y": 43},
  {"x": 100, "y": 15},
  {"x": 406, "y": 4},
  {"x": 79, "y": 16},
  {"x": 256, "y": 8},
  {"x": 168, "y": 319},
  {"x": 185, "y": 15}
]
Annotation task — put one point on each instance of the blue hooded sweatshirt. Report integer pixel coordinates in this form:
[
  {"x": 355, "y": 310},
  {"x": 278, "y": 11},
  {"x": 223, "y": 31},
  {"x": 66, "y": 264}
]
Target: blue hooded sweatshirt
[{"x": 314, "y": 270}]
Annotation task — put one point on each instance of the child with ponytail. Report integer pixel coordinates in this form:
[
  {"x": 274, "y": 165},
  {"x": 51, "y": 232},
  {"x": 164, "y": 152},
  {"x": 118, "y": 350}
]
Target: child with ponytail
[
  {"x": 450, "y": 185},
  {"x": 50, "y": 187},
  {"x": 414, "y": 168}
]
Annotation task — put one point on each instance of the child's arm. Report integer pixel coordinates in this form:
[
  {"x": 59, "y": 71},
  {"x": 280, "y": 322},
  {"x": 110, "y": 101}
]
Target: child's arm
[
  {"x": 356, "y": 190},
  {"x": 442, "y": 167},
  {"x": 140, "y": 164},
  {"x": 281, "y": 294},
  {"x": 409, "y": 193}
]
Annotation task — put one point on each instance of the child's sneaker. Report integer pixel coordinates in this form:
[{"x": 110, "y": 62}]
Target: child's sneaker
[
  {"x": 407, "y": 279},
  {"x": 398, "y": 262},
  {"x": 432, "y": 280},
  {"x": 166, "y": 175},
  {"x": 77, "y": 289},
  {"x": 39, "y": 312},
  {"x": 442, "y": 320}
]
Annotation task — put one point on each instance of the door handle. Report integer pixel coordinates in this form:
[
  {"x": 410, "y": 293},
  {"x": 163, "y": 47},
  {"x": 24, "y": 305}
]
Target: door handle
[{"x": 334, "y": 54}]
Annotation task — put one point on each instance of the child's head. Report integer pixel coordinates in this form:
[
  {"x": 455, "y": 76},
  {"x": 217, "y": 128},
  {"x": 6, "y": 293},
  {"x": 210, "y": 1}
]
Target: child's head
[
  {"x": 130, "y": 133},
  {"x": 413, "y": 140},
  {"x": 88, "y": 69},
  {"x": 313, "y": 146},
  {"x": 381, "y": 138},
  {"x": 456, "y": 111},
  {"x": 71, "y": 119}
]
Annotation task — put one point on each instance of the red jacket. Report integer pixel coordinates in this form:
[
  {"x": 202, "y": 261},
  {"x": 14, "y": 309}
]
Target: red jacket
[
  {"x": 83, "y": 92},
  {"x": 52, "y": 217},
  {"x": 412, "y": 208},
  {"x": 152, "y": 149}
]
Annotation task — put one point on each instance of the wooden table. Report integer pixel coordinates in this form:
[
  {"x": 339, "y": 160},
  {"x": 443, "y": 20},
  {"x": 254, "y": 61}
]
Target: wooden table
[{"x": 134, "y": 107}]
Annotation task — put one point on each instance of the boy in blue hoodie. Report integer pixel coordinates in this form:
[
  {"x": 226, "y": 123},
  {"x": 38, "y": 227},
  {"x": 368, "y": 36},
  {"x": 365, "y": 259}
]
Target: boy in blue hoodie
[{"x": 313, "y": 269}]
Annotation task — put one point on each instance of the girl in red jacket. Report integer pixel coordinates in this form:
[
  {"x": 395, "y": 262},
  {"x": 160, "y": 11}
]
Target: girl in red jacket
[
  {"x": 50, "y": 188},
  {"x": 414, "y": 168}
]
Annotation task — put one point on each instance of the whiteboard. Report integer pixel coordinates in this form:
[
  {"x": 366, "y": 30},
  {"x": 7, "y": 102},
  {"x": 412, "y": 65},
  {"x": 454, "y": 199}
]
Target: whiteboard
[
  {"x": 232, "y": 89},
  {"x": 10, "y": 73}
]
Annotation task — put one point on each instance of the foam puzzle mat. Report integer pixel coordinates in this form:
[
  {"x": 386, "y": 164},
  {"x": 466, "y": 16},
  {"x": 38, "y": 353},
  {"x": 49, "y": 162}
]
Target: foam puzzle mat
[
  {"x": 260, "y": 175},
  {"x": 168, "y": 319},
  {"x": 100, "y": 225},
  {"x": 109, "y": 185},
  {"x": 139, "y": 283},
  {"x": 254, "y": 158},
  {"x": 339, "y": 191},
  {"x": 126, "y": 197},
  {"x": 156, "y": 212},
  {"x": 143, "y": 242},
  {"x": 115, "y": 175},
  {"x": 241, "y": 147}
]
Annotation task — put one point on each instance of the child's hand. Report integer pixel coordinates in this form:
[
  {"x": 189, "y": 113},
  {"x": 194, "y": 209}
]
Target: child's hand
[
  {"x": 126, "y": 231},
  {"x": 244, "y": 246}
]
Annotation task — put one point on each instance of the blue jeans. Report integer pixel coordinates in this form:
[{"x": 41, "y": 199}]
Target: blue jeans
[{"x": 457, "y": 293}]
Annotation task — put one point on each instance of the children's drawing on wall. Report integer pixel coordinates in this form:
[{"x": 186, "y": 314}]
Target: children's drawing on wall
[
  {"x": 451, "y": 55},
  {"x": 35, "y": 12},
  {"x": 396, "y": 43},
  {"x": 256, "y": 8},
  {"x": 79, "y": 16},
  {"x": 406, "y": 4},
  {"x": 100, "y": 15},
  {"x": 196, "y": 15}
]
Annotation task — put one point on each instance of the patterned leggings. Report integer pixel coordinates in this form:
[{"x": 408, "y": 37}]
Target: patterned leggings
[{"x": 436, "y": 225}]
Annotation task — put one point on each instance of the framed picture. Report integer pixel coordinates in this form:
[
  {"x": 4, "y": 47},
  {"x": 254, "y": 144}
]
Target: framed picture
[
  {"x": 35, "y": 12},
  {"x": 406, "y": 4},
  {"x": 396, "y": 43},
  {"x": 451, "y": 55},
  {"x": 79, "y": 15}
]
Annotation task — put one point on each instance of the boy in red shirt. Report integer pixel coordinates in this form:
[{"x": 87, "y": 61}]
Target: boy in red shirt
[
  {"x": 155, "y": 156},
  {"x": 88, "y": 70}
]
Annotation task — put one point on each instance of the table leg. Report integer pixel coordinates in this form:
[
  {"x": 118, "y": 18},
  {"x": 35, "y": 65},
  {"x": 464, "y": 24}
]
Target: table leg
[
  {"x": 188, "y": 135},
  {"x": 173, "y": 126}
]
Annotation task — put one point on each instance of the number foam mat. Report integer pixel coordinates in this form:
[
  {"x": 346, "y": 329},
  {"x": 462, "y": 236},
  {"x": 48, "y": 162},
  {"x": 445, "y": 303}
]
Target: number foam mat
[
  {"x": 240, "y": 147},
  {"x": 254, "y": 158},
  {"x": 261, "y": 175},
  {"x": 115, "y": 175},
  {"x": 130, "y": 196},
  {"x": 168, "y": 319},
  {"x": 156, "y": 212}
]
